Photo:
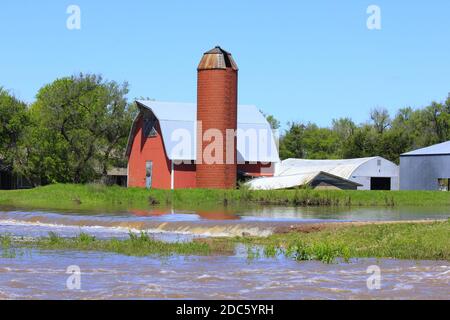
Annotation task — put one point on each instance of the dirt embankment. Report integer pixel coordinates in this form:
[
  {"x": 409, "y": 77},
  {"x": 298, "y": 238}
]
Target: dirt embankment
[{"x": 316, "y": 227}]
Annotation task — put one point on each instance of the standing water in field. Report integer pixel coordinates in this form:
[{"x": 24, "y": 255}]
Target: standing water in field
[
  {"x": 42, "y": 274},
  {"x": 181, "y": 225}
]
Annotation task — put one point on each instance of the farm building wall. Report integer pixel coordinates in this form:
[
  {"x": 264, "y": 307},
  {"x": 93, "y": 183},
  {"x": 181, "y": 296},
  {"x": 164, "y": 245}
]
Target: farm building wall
[
  {"x": 12, "y": 181},
  {"x": 6, "y": 180},
  {"x": 146, "y": 149},
  {"x": 422, "y": 172},
  {"x": 375, "y": 173},
  {"x": 256, "y": 169},
  {"x": 185, "y": 176},
  {"x": 376, "y": 168}
]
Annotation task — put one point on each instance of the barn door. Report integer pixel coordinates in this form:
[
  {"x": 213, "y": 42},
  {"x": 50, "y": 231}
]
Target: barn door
[
  {"x": 380, "y": 183},
  {"x": 148, "y": 174}
]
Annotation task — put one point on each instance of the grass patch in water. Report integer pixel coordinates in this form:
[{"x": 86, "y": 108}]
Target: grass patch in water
[
  {"x": 136, "y": 245},
  {"x": 7, "y": 251},
  {"x": 93, "y": 196},
  {"x": 411, "y": 241}
]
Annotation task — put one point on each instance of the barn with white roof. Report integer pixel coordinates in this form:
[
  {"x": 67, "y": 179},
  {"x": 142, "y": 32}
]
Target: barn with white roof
[
  {"x": 162, "y": 146},
  {"x": 207, "y": 144}
]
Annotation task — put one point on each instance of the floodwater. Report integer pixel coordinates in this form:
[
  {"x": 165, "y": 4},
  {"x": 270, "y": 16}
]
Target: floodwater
[
  {"x": 179, "y": 225},
  {"x": 42, "y": 275},
  {"x": 36, "y": 274}
]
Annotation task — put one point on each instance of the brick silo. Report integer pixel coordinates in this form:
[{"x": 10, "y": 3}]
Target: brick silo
[{"x": 217, "y": 109}]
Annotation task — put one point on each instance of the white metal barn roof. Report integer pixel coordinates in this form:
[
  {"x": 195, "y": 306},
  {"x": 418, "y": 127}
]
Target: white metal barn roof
[
  {"x": 178, "y": 123},
  {"x": 342, "y": 168},
  {"x": 281, "y": 182},
  {"x": 295, "y": 172},
  {"x": 437, "y": 149},
  {"x": 292, "y": 181}
]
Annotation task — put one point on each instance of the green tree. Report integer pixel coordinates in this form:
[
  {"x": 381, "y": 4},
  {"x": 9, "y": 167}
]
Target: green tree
[
  {"x": 344, "y": 129},
  {"x": 320, "y": 143},
  {"x": 13, "y": 121},
  {"x": 274, "y": 123},
  {"x": 381, "y": 120},
  {"x": 362, "y": 143},
  {"x": 308, "y": 141},
  {"x": 79, "y": 129},
  {"x": 437, "y": 115},
  {"x": 381, "y": 136},
  {"x": 291, "y": 143}
]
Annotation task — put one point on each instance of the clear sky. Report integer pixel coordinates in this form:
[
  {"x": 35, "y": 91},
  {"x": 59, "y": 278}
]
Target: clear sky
[{"x": 298, "y": 60}]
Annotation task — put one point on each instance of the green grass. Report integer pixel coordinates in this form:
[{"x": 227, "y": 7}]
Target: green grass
[
  {"x": 137, "y": 245},
  {"x": 6, "y": 249},
  {"x": 414, "y": 241},
  {"x": 93, "y": 196}
]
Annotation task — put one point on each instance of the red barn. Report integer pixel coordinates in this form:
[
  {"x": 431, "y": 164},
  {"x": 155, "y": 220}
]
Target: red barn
[
  {"x": 162, "y": 146},
  {"x": 182, "y": 145}
]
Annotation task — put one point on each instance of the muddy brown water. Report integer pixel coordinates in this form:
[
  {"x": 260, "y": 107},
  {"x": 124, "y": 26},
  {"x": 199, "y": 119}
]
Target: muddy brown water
[
  {"x": 33, "y": 274},
  {"x": 176, "y": 225},
  {"x": 42, "y": 275}
]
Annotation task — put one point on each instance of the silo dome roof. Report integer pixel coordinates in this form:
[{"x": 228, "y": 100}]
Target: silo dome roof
[{"x": 217, "y": 58}]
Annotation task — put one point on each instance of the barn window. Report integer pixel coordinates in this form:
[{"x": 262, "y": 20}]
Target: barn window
[
  {"x": 150, "y": 127},
  {"x": 444, "y": 184}
]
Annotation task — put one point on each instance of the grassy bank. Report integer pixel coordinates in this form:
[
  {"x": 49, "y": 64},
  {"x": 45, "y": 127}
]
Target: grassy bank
[
  {"x": 102, "y": 197},
  {"x": 415, "y": 241}
]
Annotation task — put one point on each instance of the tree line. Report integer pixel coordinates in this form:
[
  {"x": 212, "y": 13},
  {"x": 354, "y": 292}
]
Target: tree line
[
  {"x": 78, "y": 126},
  {"x": 381, "y": 135},
  {"x": 73, "y": 132}
]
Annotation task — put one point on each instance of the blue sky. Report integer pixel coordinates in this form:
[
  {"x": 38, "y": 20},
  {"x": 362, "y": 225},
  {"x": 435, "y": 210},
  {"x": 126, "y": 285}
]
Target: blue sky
[{"x": 298, "y": 60}]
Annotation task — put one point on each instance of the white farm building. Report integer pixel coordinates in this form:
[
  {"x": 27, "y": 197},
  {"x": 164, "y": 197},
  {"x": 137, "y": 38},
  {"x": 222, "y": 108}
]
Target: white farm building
[{"x": 373, "y": 173}]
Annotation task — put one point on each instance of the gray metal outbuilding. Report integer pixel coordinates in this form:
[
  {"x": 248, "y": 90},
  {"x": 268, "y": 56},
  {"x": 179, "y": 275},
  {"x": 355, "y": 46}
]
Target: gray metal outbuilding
[{"x": 426, "y": 169}]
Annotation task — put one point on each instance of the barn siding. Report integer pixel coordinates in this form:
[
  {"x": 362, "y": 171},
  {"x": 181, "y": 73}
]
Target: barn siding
[
  {"x": 423, "y": 172},
  {"x": 185, "y": 176},
  {"x": 145, "y": 149},
  {"x": 257, "y": 169},
  {"x": 148, "y": 149}
]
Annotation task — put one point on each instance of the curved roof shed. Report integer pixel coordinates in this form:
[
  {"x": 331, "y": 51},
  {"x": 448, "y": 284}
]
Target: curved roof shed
[
  {"x": 343, "y": 168},
  {"x": 369, "y": 173},
  {"x": 313, "y": 179}
]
